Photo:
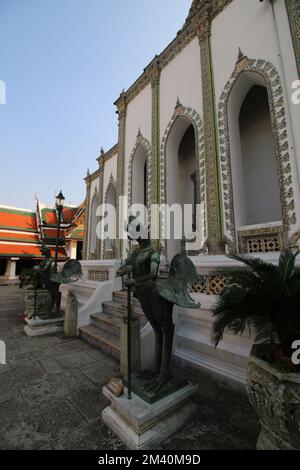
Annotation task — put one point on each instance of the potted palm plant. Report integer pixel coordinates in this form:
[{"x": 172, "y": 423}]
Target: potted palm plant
[{"x": 265, "y": 298}]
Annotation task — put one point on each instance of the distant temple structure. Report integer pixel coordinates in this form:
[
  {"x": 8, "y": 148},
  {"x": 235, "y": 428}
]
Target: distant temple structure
[{"x": 23, "y": 231}]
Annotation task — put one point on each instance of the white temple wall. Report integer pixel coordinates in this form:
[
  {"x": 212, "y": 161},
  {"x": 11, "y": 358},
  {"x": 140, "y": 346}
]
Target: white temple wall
[
  {"x": 181, "y": 78},
  {"x": 110, "y": 169},
  {"x": 139, "y": 116},
  {"x": 249, "y": 28}
]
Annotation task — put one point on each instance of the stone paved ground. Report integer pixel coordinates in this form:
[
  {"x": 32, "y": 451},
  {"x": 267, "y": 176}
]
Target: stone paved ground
[{"x": 50, "y": 396}]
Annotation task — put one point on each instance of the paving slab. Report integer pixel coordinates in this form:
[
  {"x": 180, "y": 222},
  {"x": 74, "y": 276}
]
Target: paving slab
[{"x": 51, "y": 396}]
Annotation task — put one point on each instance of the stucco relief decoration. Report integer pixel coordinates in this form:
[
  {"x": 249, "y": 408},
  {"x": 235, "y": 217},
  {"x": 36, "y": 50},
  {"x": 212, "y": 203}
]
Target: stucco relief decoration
[
  {"x": 278, "y": 118},
  {"x": 196, "y": 121}
]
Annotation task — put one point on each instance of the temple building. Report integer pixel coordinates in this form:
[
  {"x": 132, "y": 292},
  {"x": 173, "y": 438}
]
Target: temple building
[
  {"x": 23, "y": 231},
  {"x": 212, "y": 121}
]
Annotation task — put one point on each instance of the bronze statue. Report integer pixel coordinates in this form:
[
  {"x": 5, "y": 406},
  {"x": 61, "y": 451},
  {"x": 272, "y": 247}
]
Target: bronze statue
[
  {"x": 43, "y": 277},
  {"x": 157, "y": 297}
]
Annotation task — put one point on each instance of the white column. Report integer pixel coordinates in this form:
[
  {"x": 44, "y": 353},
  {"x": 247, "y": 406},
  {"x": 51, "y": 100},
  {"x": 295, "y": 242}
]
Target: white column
[
  {"x": 73, "y": 249},
  {"x": 10, "y": 272}
]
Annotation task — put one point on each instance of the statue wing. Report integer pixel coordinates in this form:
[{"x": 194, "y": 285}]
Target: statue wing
[
  {"x": 182, "y": 276},
  {"x": 70, "y": 270}
]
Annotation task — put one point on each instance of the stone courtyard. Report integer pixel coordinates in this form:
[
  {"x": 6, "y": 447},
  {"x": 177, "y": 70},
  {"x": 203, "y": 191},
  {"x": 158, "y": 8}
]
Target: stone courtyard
[{"x": 50, "y": 395}]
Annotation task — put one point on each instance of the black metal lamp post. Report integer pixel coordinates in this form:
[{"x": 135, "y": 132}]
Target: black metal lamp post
[{"x": 59, "y": 205}]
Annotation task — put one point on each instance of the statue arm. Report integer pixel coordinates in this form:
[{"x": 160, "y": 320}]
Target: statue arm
[{"x": 126, "y": 268}]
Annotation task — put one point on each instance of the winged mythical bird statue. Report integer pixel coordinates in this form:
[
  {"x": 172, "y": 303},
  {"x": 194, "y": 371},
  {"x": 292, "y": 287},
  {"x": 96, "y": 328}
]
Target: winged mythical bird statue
[
  {"x": 43, "y": 276},
  {"x": 158, "y": 296}
]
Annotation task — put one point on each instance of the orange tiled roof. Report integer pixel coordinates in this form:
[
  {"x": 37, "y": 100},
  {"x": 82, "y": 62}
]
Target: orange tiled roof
[
  {"x": 48, "y": 215},
  {"x": 13, "y": 235},
  {"x": 30, "y": 250},
  {"x": 17, "y": 219}
]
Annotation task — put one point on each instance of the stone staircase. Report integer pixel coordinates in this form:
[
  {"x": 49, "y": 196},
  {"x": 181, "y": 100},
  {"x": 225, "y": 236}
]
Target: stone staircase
[{"x": 104, "y": 330}]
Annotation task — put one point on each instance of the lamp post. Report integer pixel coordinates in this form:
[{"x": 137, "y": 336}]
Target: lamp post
[{"x": 59, "y": 205}]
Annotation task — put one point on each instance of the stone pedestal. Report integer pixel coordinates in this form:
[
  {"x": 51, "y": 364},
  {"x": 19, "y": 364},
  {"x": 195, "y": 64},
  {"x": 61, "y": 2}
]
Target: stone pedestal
[
  {"x": 71, "y": 314},
  {"x": 38, "y": 301},
  {"x": 141, "y": 425},
  {"x": 44, "y": 326}
]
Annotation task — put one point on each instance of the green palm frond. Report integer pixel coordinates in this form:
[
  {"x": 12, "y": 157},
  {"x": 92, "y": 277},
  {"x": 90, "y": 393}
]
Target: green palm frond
[{"x": 259, "y": 296}]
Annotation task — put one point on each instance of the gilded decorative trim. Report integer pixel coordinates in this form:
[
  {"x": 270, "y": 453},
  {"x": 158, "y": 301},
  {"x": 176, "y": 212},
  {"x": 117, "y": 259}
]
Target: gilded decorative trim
[
  {"x": 110, "y": 153},
  {"x": 195, "y": 119},
  {"x": 293, "y": 10},
  {"x": 210, "y": 138},
  {"x": 122, "y": 111},
  {"x": 101, "y": 161},
  {"x": 86, "y": 220},
  {"x": 154, "y": 175},
  {"x": 93, "y": 176},
  {"x": 268, "y": 72}
]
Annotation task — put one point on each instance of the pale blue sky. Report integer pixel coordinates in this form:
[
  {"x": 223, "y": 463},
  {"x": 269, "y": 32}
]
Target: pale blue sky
[{"x": 64, "y": 63}]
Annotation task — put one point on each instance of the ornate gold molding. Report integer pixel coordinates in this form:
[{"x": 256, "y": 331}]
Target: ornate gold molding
[
  {"x": 87, "y": 216},
  {"x": 154, "y": 166},
  {"x": 214, "y": 227},
  {"x": 121, "y": 104},
  {"x": 110, "y": 153}
]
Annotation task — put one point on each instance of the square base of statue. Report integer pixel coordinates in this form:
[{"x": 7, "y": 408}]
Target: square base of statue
[
  {"x": 44, "y": 326},
  {"x": 141, "y": 425},
  {"x": 176, "y": 382}
]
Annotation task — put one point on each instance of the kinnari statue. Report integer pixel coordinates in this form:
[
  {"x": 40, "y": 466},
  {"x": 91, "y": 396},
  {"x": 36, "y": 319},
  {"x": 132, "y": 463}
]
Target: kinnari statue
[{"x": 158, "y": 296}]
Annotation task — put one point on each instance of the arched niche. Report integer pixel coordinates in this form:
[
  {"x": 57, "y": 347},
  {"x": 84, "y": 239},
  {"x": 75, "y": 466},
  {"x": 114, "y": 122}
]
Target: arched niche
[
  {"x": 236, "y": 139},
  {"x": 183, "y": 178},
  {"x": 93, "y": 226},
  {"x": 110, "y": 198}
]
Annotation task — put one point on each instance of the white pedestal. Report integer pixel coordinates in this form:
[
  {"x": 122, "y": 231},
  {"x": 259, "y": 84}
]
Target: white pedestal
[
  {"x": 141, "y": 425},
  {"x": 40, "y": 326}
]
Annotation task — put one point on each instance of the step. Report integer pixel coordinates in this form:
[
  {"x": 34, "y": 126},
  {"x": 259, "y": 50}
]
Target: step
[
  {"x": 121, "y": 297},
  {"x": 107, "y": 323},
  {"x": 120, "y": 309},
  {"x": 105, "y": 341}
]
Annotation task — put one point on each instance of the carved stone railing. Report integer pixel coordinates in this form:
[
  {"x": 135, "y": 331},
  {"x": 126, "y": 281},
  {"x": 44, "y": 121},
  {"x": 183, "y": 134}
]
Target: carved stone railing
[
  {"x": 98, "y": 275},
  {"x": 266, "y": 238},
  {"x": 98, "y": 270},
  {"x": 210, "y": 285}
]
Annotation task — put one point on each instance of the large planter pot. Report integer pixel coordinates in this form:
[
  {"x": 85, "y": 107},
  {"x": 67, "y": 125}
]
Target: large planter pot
[
  {"x": 276, "y": 399},
  {"x": 43, "y": 301}
]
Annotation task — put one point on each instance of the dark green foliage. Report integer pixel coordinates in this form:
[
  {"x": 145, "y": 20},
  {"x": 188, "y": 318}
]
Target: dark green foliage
[{"x": 262, "y": 297}]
